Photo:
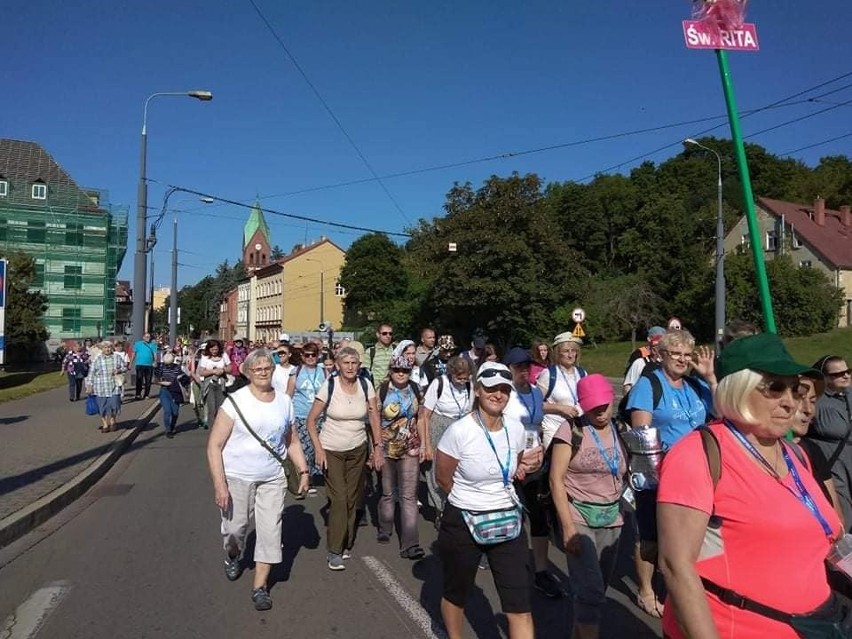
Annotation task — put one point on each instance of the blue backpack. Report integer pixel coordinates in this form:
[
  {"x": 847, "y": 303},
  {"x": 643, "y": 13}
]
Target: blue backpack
[{"x": 551, "y": 383}]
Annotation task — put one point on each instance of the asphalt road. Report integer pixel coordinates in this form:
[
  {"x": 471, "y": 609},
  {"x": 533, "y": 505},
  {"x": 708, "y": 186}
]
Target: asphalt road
[{"x": 139, "y": 556}]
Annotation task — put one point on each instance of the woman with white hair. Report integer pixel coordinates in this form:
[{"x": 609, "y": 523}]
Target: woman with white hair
[
  {"x": 744, "y": 529},
  {"x": 106, "y": 381},
  {"x": 170, "y": 376}
]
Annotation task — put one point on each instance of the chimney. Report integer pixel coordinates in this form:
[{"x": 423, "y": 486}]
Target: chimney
[
  {"x": 846, "y": 215},
  {"x": 819, "y": 211}
]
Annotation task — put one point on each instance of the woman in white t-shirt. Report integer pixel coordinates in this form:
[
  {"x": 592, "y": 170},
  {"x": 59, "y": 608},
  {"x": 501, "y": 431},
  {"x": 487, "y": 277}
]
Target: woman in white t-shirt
[
  {"x": 559, "y": 385},
  {"x": 477, "y": 459},
  {"x": 248, "y": 479},
  {"x": 281, "y": 375},
  {"x": 342, "y": 449},
  {"x": 448, "y": 398},
  {"x": 213, "y": 370}
]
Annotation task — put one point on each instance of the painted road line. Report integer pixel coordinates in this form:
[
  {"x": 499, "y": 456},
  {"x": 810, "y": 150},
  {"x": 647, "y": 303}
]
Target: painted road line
[
  {"x": 410, "y": 605},
  {"x": 30, "y": 616}
]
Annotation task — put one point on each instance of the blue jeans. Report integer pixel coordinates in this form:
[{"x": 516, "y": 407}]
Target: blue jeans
[{"x": 170, "y": 410}]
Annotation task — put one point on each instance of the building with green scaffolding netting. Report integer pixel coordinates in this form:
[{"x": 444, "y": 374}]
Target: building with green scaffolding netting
[{"x": 77, "y": 238}]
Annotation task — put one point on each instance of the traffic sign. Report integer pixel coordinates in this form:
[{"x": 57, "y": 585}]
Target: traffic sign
[
  {"x": 578, "y": 315},
  {"x": 698, "y": 34},
  {"x": 578, "y": 331}
]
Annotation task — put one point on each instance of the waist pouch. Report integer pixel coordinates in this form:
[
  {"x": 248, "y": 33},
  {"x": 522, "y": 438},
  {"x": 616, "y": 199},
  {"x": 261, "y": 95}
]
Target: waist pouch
[
  {"x": 598, "y": 515},
  {"x": 828, "y": 621},
  {"x": 494, "y": 526}
]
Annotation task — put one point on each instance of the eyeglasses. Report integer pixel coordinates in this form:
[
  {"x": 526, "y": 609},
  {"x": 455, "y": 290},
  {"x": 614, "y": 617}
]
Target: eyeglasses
[
  {"x": 282, "y": 352},
  {"x": 309, "y": 354},
  {"x": 678, "y": 356},
  {"x": 837, "y": 374},
  {"x": 775, "y": 388},
  {"x": 495, "y": 372},
  {"x": 261, "y": 371},
  {"x": 386, "y": 333},
  {"x": 501, "y": 388}
]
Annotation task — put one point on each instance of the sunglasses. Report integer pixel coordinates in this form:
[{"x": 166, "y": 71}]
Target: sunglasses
[
  {"x": 401, "y": 370},
  {"x": 386, "y": 333},
  {"x": 848, "y": 371},
  {"x": 494, "y": 372},
  {"x": 776, "y": 388},
  {"x": 309, "y": 354}
]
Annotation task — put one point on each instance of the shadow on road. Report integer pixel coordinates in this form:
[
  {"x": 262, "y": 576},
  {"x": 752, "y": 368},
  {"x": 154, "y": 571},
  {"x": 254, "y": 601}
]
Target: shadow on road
[
  {"x": 299, "y": 531},
  {"x": 14, "y": 420}
]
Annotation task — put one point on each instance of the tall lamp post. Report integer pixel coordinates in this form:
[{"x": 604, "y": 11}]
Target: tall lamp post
[
  {"x": 322, "y": 289},
  {"x": 720, "y": 249},
  {"x": 173, "y": 306},
  {"x": 138, "y": 315}
]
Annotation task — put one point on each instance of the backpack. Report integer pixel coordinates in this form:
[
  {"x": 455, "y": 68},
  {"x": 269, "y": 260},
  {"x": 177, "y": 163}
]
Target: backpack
[
  {"x": 383, "y": 391},
  {"x": 331, "y": 392},
  {"x": 656, "y": 390},
  {"x": 642, "y": 352},
  {"x": 551, "y": 382}
]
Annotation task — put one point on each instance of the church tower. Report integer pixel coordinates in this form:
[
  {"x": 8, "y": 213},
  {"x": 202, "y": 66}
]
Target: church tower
[{"x": 256, "y": 243}]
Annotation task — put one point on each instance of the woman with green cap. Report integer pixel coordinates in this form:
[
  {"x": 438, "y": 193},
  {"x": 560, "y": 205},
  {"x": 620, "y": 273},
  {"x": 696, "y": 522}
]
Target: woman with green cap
[{"x": 744, "y": 529}]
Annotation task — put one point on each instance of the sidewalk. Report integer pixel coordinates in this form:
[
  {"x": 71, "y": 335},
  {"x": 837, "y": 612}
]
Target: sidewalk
[{"x": 52, "y": 452}]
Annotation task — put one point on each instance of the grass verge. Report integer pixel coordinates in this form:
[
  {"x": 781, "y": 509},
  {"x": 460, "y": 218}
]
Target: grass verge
[{"x": 19, "y": 384}]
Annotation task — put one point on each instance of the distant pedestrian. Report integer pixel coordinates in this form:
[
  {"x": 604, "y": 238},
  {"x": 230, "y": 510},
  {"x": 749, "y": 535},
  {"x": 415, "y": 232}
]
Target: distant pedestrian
[
  {"x": 104, "y": 372},
  {"x": 213, "y": 369},
  {"x": 250, "y": 439},
  {"x": 379, "y": 355},
  {"x": 76, "y": 366},
  {"x": 540, "y": 359},
  {"x": 170, "y": 376},
  {"x": 283, "y": 368},
  {"x": 436, "y": 364},
  {"x": 144, "y": 358},
  {"x": 305, "y": 380},
  {"x": 426, "y": 347}
]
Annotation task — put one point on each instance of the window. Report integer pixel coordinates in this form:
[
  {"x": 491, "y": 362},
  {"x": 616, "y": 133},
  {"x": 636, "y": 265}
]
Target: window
[
  {"x": 70, "y": 320},
  {"x": 73, "y": 234},
  {"x": 38, "y": 276},
  {"x": 73, "y": 277},
  {"x": 39, "y": 191},
  {"x": 806, "y": 264},
  {"x": 36, "y": 232},
  {"x": 4, "y": 188},
  {"x": 745, "y": 242},
  {"x": 339, "y": 291},
  {"x": 771, "y": 241},
  {"x": 797, "y": 242}
]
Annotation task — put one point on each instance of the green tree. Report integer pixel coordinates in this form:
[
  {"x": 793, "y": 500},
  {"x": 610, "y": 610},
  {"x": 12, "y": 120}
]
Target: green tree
[
  {"x": 510, "y": 270},
  {"x": 25, "y": 330},
  {"x": 375, "y": 280},
  {"x": 277, "y": 253}
]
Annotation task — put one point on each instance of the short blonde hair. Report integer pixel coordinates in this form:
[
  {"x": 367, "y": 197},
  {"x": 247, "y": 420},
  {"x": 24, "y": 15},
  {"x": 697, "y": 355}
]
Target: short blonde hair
[
  {"x": 731, "y": 398},
  {"x": 676, "y": 338}
]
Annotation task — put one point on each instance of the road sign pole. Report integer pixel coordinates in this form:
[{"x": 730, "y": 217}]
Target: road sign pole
[{"x": 748, "y": 195}]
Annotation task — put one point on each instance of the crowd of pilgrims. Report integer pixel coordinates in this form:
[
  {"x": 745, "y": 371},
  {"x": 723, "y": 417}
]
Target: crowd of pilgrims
[{"x": 732, "y": 468}]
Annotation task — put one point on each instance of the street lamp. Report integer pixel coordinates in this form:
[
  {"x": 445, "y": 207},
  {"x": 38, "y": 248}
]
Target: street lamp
[
  {"x": 138, "y": 315},
  {"x": 173, "y": 322},
  {"x": 720, "y": 250},
  {"x": 322, "y": 289}
]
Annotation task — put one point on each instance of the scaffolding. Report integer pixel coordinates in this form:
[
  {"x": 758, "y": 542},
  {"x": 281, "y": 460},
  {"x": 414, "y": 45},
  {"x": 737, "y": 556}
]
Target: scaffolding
[{"x": 78, "y": 245}]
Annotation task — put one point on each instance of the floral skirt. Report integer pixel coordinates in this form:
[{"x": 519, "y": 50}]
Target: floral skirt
[{"x": 308, "y": 445}]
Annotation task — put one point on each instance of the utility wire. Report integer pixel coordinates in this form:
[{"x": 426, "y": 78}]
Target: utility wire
[
  {"x": 304, "y": 218},
  {"x": 328, "y": 110},
  {"x": 810, "y": 146}
]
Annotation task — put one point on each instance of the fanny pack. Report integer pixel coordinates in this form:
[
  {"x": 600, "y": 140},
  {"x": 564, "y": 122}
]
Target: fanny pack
[
  {"x": 598, "y": 515},
  {"x": 828, "y": 621},
  {"x": 494, "y": 526}
]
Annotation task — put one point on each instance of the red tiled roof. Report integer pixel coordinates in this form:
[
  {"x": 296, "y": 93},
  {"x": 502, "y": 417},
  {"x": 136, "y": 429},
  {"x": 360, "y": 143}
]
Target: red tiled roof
[{"x": 833, "y": 240}]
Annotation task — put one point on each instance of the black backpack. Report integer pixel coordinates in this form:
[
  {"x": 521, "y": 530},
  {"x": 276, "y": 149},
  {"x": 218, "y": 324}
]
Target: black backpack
[{"x": 331, "y": 379}]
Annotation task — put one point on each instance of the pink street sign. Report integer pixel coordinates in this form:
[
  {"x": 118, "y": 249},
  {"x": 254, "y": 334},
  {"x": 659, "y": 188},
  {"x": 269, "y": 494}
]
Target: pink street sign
[{"x": 699, "y": 36}]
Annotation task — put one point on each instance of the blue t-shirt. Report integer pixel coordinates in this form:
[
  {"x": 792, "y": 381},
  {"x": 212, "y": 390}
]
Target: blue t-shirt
[
  {"x": 144, "y": 352},
  {"x": 307, "y": 383},
  {"x": 680, "y": 411}
]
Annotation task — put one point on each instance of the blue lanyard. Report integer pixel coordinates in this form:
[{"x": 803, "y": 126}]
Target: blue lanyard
[
  {"x": 503, "y": 468},
  {"x": 801, "y": 493},
  {"x": 612, "y": 462},
  {"x": 531, "y": 406}
]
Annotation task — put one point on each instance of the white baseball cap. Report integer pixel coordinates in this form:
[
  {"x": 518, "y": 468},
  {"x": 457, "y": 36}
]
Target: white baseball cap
[{"x": 283, "y": 337}]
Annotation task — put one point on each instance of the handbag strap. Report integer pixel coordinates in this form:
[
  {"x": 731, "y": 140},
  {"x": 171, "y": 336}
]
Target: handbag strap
[
  {"x": 259, "y": 439},
  {"x": 737, "y": 600}
]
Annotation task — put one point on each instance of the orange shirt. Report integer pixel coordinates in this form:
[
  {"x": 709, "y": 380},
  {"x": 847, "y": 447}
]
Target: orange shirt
[{"x": 771, "y": 548}]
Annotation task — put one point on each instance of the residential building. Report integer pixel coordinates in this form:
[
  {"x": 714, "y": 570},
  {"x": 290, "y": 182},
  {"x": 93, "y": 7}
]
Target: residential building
[
  {"x": 228, "y": 316},
  {"x": 161, "y": 296},
  {"x": 123, "y": 307},
  {"x": 268, "y": 285},
  {"x": 244, "y": 308},
  {"x": 312, "y": 291},
  {"x": 815, "y": 237},
  {"x": 77, "y": 238}
]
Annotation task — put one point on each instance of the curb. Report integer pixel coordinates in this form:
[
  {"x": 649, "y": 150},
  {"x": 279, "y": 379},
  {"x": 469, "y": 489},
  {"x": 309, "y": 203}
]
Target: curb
[{"x": 29, "y": 517}]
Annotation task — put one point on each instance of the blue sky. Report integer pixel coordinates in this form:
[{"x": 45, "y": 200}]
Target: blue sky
[{"x": 415, "y": 85}]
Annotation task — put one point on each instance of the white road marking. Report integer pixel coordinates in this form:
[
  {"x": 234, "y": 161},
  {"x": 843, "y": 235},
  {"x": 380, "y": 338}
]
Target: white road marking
[
  {"x": 410, "y": 605},
  {"x": 30, "y": 616}
]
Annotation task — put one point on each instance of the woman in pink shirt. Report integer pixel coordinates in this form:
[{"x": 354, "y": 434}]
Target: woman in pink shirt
[{"x": 743, "y": 547}]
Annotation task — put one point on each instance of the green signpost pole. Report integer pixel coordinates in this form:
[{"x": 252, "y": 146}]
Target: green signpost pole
[{"x": 748, "y": 196}]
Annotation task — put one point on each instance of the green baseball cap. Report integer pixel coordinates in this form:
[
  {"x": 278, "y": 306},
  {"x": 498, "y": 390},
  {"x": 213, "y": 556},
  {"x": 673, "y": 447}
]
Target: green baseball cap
[{"x": 764, "y": 352}]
